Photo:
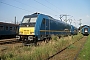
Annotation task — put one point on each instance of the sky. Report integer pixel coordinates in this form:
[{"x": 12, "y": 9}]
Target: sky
[{"x": 75, "y": 9}]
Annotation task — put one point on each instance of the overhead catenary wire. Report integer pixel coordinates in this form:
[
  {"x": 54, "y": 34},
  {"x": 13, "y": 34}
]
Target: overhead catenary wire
[
  {"x": 25, "y": 4},
  {"x": 28, "y": 5},
  {"x": 58, "y": 9},
  {"x": 15, "y": 6},
  {"x": 46, "y": 6},
  {"x": 32, "y": 6},
  {"x": 54, "y": 5}
]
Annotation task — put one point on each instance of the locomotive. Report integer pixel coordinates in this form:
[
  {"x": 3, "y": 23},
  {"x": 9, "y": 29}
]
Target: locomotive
[
  {"x": 85, "y": 30},
  {"x": 39, "y": 26}
]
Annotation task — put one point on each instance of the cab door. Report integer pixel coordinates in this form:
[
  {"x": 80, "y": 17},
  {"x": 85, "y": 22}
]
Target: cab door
[{"x": 45, "y": 27}]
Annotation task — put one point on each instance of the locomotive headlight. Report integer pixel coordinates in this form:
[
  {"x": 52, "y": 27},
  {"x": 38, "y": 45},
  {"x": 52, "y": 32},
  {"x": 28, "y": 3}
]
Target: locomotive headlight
[
  {"x": 31, "y": 32},
  {"x": 20, "y": 32}
]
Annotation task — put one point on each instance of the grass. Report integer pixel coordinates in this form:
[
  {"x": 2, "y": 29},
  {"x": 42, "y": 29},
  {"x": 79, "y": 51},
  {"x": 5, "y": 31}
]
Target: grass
[
  {"x": 71, "y": 46},
  {"x": 85, "y": 53},
  {"x": 40, "y": 52}
]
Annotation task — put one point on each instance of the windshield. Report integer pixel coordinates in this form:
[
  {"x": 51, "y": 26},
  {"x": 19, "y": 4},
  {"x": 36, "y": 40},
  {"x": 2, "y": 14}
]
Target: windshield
[
  {"x": 25, "y": 20},
  {"x": 29, "y": 20},
  {"x": 33, "y": 20}
]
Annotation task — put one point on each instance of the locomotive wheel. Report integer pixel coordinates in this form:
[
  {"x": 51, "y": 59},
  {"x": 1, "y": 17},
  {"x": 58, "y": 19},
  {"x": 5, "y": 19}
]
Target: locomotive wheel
[
  {"x": 47, "y": 40},
  {"x": 50, "y": 38},
  {"x": 20, "y": 39},
  {"x": 35, "y": 41},
  {"x": 59, "y": 37}
]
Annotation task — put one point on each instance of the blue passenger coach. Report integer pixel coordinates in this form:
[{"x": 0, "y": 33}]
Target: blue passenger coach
[
  {"x": 8, "y": 29},
  {"x": 40, "y": 26}
]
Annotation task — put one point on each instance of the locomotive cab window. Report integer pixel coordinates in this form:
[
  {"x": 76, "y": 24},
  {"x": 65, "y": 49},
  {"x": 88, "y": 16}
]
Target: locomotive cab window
[
  {"x": 33, "y": 20},
  {"x": 25, "y": 20},
  {"x": 29, "y": 21}
]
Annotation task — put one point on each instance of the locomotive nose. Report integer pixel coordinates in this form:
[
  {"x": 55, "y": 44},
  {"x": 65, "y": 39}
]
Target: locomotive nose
[{"x": 26, "y": 31}]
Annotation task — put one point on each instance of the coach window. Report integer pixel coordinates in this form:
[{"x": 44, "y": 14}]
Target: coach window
[
  {"x": 11, "y": 28},
  {"x": 1, "y": 28},
  {"x": 6, "y": 27}
]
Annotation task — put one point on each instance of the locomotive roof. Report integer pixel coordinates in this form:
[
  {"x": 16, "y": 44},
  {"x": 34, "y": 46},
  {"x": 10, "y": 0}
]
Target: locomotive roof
[
  {"x": 8, "y": 23},
  {"x": 32, "y": 15},
  {"x": 83, "y": 26},
  {"x": 36, "y": 14}
]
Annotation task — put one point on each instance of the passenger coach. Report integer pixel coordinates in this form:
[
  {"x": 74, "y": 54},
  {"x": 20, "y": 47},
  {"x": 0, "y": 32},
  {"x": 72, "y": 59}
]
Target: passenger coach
[{"x": 8, "y": 29}]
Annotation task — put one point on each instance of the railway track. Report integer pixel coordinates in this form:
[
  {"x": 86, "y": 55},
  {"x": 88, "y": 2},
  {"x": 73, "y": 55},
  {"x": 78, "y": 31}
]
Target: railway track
[
  {"x": 79, "y": 50},
  {"x": 50, "y": 58},
  {"x": 8, "y": 41}
]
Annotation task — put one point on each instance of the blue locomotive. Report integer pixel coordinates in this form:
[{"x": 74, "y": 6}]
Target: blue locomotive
[
  {"x": 85, "y": 30},
  {"x": 8, "y": 29},
  {"x": 40, "y": 26}
]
